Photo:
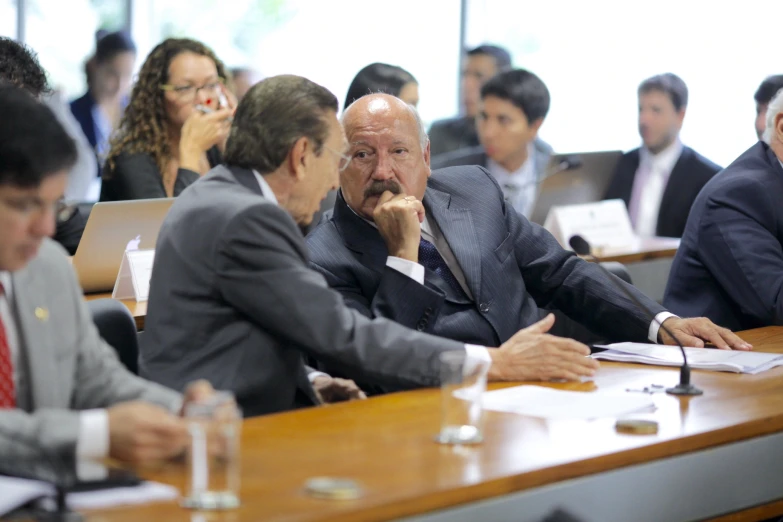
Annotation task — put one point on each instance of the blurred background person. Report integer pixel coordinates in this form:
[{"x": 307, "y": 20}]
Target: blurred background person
[
  {"x": 385, "y": 78},
  {"x": 165, "y": 142},
  {"x": 512, "y": 109},
  {"x": 243, "y": 79},
  {"x": 109, "y": 74},
  {"x": 764, "y": 94},
  {"x": 660, "y": 180},
  {"x": 481, "y": 64},
  {"x": 19, "y": 66}
]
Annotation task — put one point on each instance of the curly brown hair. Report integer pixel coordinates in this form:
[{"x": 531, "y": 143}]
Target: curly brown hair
[{"x": 143, "y": 126}]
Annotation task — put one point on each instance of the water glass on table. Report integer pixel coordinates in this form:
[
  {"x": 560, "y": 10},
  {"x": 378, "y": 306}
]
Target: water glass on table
[
  {"x": 463, "y": 383},
  {"x": 215, "y": 427}
]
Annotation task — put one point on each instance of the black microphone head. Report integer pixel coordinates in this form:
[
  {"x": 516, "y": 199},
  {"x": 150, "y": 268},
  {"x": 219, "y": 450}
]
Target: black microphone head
[{"x": 579, "y": 245}]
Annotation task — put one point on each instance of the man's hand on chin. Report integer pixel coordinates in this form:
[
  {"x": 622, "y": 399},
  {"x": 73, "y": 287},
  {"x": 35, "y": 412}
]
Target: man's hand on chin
[
  {"x": 697, "y": 331},
  {"x": 333, "y": 389}
]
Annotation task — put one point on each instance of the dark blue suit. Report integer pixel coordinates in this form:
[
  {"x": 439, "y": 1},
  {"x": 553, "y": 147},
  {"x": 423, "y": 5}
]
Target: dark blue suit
[
  {"x": 729, "y": 266},
  {"x": 512, "y": 267}
]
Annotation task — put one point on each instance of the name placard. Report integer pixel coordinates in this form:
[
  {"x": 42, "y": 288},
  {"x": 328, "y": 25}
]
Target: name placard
[
  {"x": 133, "y": 280},
  {"x": 603, "y": 224}
]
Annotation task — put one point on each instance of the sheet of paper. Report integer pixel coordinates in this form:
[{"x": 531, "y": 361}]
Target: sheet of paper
[
  {"x": 143, "y": 493},
  {"x": 548, "y": 403},
  {"x": 748, "y": 362},
  {"x": 16, "y": 492}
]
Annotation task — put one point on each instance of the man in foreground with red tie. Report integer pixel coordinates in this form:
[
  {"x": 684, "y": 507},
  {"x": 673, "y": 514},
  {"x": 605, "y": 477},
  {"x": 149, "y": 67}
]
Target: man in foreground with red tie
[{"x": 63, "y": 392}]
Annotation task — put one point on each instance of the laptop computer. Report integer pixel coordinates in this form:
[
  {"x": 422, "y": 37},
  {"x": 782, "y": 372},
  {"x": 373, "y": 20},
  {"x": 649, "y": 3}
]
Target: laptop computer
[
  {"x": 574, "y": 178},
  {"x": 112, "y": 228}
]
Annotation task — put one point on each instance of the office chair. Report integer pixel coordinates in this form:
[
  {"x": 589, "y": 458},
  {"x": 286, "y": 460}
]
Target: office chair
[{"x": 116, "y": 326}]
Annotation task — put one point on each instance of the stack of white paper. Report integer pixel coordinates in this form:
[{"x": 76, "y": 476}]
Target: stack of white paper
[
  {"x": 698, "y": 358},
  {"x": 548, "y": 403},
  {"x": 16, "y": 492}
]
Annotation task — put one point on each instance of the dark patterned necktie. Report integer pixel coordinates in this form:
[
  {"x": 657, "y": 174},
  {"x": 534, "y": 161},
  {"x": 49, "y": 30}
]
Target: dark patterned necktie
[{"x": 430, "y": 258}]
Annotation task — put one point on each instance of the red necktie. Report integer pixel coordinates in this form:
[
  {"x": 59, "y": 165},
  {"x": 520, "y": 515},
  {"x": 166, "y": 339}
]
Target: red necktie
[{"x": 7, "y": 394}]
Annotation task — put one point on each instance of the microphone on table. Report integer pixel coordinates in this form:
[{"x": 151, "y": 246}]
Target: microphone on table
[{"x": 684, "y": 387}]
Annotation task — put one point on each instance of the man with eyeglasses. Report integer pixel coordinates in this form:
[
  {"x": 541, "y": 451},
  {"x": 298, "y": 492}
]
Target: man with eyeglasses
[{"x": 63, "y": 392}]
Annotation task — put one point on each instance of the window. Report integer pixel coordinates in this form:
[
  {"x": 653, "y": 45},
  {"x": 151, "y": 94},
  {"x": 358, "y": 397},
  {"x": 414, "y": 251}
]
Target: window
[
  {"x": 325, "y": 41},
  {"x": 8, "y": 18},
  {"x": 63, "y": 35},
  {"x": 593, "y": 55}
]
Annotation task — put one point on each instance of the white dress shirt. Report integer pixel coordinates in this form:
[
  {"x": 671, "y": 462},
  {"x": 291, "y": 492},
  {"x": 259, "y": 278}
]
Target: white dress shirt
[
  {"x": 519, "y": 187},
  {"x": 649, "y": 184},
  {"x": 93, "y": 441}
]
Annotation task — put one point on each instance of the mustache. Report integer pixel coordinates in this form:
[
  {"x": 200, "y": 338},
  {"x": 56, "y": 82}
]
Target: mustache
[{"x": 379, "y": 187}]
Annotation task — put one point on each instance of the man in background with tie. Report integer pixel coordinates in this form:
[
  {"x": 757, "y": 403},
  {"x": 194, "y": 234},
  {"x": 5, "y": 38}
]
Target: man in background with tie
[
  {"x": 444, "y": 253},
  {"x": 660, "y": 180},
  {"x": 63, "y": 392}
]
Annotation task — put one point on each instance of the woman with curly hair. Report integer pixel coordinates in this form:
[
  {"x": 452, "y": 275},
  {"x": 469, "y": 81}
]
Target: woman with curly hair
[{"x": 175, "y": 125}]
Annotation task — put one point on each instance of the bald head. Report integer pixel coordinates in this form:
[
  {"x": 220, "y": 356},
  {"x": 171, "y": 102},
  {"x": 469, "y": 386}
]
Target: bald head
[
  {"x": 389, "y": 151},
  {"x": 384, "y": 106}
]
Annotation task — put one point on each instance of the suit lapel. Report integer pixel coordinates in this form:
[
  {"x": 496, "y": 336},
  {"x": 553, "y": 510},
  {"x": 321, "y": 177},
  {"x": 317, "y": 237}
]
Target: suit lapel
[
  {"x": 359, "y": 236},
  {"x": 456, "y": 225},
  {"x": 30, "y": 306},
  {"x": 673, "y": 188},
  {"x": 247, "y": 179}
]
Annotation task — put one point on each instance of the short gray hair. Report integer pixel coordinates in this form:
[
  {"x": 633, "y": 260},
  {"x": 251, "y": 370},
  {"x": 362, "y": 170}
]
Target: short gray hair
[
  {"x": 774, "y": 108},
  {"x": 424, "y": 139}
]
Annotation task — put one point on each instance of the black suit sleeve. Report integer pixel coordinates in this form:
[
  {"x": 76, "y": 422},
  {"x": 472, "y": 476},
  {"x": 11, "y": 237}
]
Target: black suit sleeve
[
  {"x": 740, "y": 252},
  {"x": 69, "y": 233},
  {"x": 558, "y": 279},
  {"x": 136, "y": 176},
  {"x": 398, "y": 298},
  {"x": 262, "y": 272}
]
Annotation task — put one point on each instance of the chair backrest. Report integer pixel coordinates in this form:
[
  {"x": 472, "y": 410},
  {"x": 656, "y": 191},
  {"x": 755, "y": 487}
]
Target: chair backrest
[
  {"x": 116, "y": 326},
  {"x": 618, "y": 269}
]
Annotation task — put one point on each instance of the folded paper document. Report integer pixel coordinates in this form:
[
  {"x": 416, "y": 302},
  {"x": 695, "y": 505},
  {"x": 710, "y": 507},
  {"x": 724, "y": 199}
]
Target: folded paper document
[{"x": 698, "y": 358}]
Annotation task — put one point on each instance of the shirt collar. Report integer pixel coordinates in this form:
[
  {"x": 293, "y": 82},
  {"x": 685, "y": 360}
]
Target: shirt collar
[
  {"x": 5, "y": 280},
  {"x": 266, "y": 190},
  {"x": 666, "y": 159},
  {"x": 516, "y": 175}
]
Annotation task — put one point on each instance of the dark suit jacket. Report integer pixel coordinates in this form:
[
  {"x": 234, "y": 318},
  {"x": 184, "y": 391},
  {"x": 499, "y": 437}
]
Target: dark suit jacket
[
  {"x": 232, "y": 300},
  {"x": 136, "y": 176},
  {"x": 82, "y": 111},
  {"x": 513, "y": 268},
  {"x": 691, "y": 172},
  {"x": 729, "y": 266},
  {"x": 453, "y": 134}
]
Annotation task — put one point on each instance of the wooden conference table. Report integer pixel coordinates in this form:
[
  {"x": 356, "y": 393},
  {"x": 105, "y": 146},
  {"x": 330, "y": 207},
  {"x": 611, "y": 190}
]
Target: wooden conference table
[
  {"x": 715, "y": 454},
  {"x": 647, "y": 249}
]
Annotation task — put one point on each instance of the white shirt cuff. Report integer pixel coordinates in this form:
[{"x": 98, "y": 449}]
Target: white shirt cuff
[
  {"x": 479, "y": 354},
  {"x": 652, "y": 333},
  {"x": 93, "y": 441},
  {"x": 413, "y": 270},
  {"x": 313, "y": 375}
]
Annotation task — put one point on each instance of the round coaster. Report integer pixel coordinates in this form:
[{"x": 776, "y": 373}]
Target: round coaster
[
  {"x": 333, "y": 488},
  {"x": 636, "y": 426}
]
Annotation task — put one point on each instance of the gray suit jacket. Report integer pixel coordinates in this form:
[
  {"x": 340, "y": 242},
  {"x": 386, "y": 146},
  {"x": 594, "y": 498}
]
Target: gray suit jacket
[
  {"x": 63, "y": 364},
  {"x": 513, "y": 268},
  {"x": 232, "y": 299}
]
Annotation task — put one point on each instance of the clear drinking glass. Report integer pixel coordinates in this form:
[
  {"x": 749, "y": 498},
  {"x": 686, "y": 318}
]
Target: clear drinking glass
[
  {"x": 215, "y": 427},
  {"x": 463, "y": 382}
]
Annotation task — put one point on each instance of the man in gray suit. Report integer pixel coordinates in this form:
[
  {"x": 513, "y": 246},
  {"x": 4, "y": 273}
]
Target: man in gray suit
[
  {"x": 443, "y": 252},
  {"x": 231, "y": 294},
  {"x": 63, "y": 392},
  {"x": 512, "y": 110}
]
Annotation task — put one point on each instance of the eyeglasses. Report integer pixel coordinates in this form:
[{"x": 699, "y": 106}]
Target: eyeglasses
[
  {"x": 189, "y": 92},
  {"x": 344, "y": 160},
  {"x": 63, "y": 211}
]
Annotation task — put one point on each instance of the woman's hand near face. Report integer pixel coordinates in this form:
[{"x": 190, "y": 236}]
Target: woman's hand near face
[{"x": 200, "y": 133}]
